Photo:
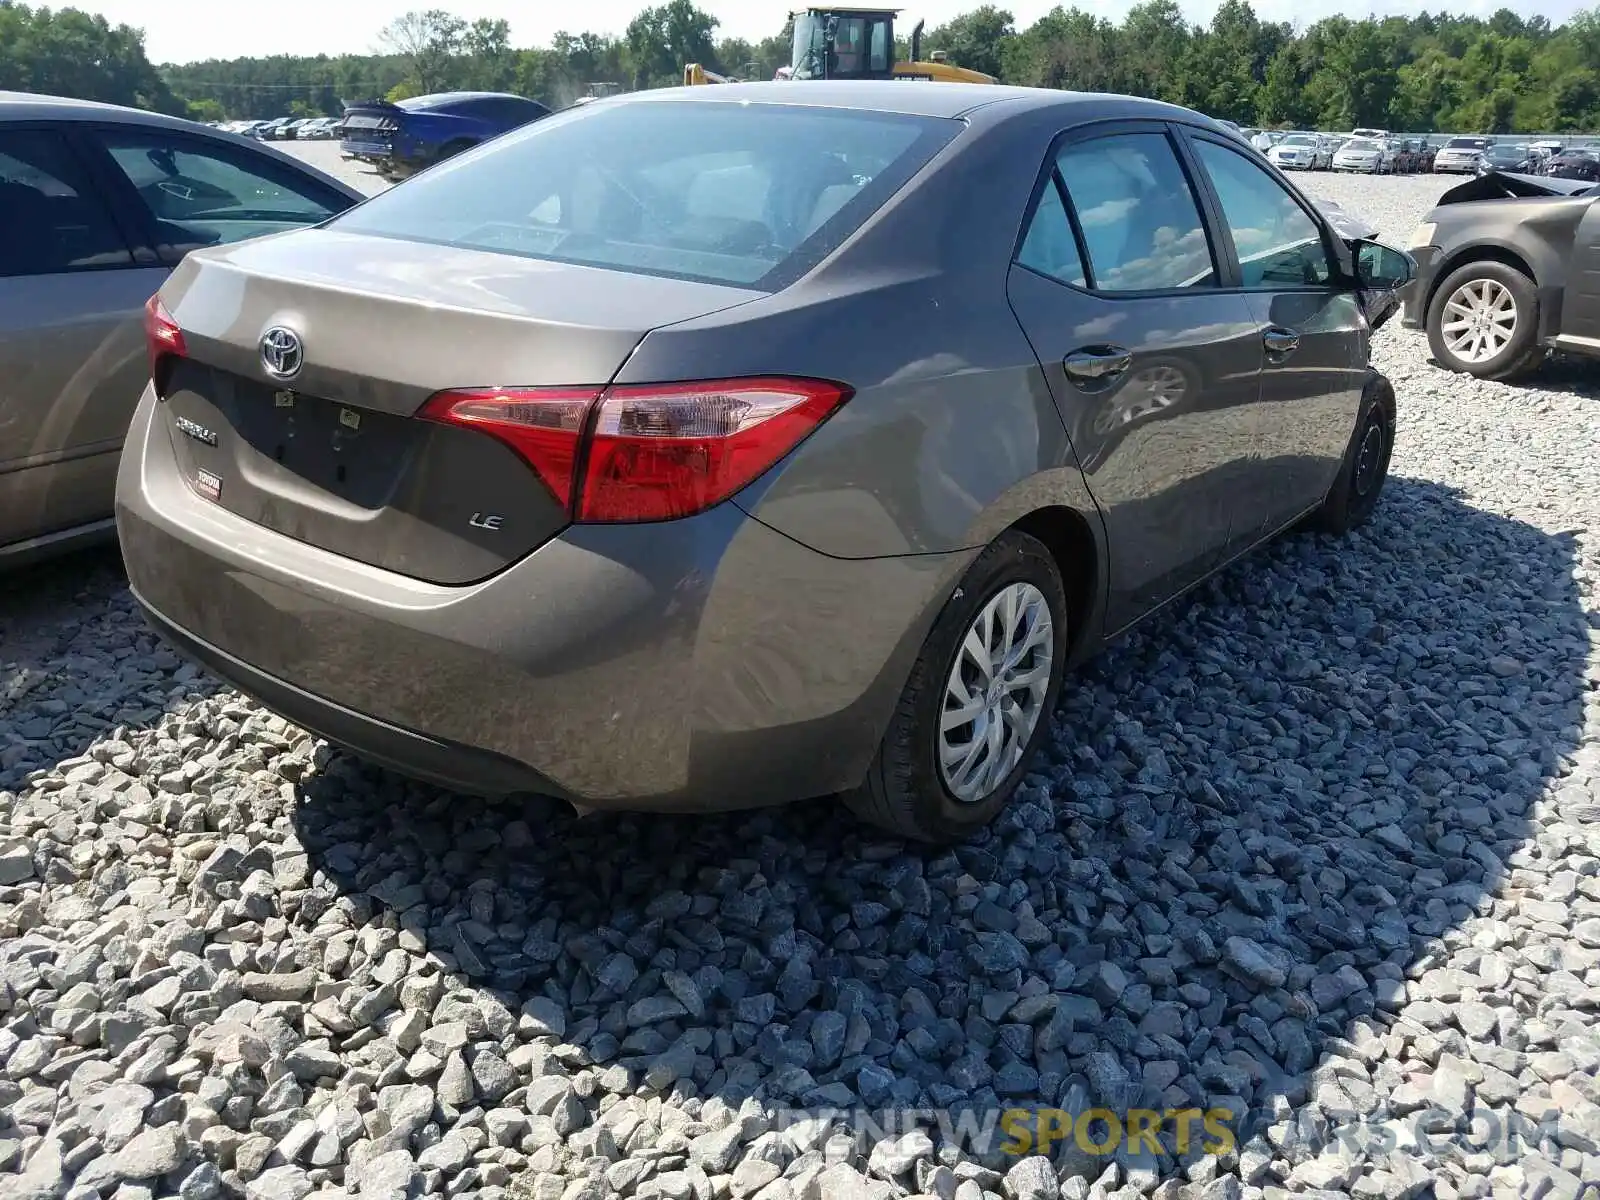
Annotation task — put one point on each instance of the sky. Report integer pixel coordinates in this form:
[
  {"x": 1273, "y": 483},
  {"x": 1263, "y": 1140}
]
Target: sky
[{"x": 179, "y": 31}]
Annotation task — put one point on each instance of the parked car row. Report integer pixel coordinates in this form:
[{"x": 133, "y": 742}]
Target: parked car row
[
  {"x": 1480, "y": 156},
  {"x": 1371, "y": 151},
  {"x": 281, "y": 129}
]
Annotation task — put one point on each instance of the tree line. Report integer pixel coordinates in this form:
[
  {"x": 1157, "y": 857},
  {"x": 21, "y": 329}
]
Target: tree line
[{"x": 1424, "y": 73}]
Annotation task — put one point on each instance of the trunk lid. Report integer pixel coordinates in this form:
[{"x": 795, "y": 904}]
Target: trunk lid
[
  {"x": 373, "y": 115},
  {"x": 334, "y": 456}
]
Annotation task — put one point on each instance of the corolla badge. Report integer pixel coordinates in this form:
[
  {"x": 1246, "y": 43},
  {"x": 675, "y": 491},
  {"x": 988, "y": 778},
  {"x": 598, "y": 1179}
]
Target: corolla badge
[
  {"x": 197, "y": 431},
  {"x": 282, "y": 353}
]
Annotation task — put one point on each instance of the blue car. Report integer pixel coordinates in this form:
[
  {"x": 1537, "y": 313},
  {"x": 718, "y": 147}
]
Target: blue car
[{"x": 402, "y": 138}]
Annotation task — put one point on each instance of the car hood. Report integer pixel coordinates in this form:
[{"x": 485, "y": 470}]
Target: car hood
[
  {"x": 1509, "y": 185},
  {"x": 1345, "y": 223}
]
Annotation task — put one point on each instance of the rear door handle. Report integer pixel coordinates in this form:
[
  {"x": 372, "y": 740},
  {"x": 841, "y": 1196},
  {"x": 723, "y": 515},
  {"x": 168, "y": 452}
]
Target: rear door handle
[
  {"x": 1280, "y": 342},
  {"x": 1097, "y": 364}
]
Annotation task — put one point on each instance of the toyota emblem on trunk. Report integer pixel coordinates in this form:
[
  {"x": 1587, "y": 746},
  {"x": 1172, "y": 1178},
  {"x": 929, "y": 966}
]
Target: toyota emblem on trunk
[{"x": 282, "y": 353}]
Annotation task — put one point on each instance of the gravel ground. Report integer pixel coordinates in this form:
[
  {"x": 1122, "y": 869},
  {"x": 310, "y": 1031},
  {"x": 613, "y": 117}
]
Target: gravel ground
[{"x": 1321, "y": 847}]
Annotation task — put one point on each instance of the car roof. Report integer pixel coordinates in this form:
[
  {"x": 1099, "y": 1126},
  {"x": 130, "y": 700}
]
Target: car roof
[
  {"x": 442, "y": 96},
  {"x": 30, "y": 106},
  {"x": 912, "y": 97}
]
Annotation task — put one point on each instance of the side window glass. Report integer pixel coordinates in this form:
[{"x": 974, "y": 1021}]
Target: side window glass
[
  {"x": 880, "y": 60},
  {"x": 1049, "y": 247},
  {"x": 50, "y": 221},
  {"x": 1141, "y": 224},
  {"x": 1278, "y": 244},
  {"x": 206, "y": 195}
]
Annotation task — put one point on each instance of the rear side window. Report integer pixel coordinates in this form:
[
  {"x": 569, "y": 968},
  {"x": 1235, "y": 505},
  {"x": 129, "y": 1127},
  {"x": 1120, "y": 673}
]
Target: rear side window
[
  {"x": 1141, "y": 224},
  {"x": 1050, "y": 247},
  {"x": 743, "y": 194},
  {"x": 50, "y": 221},
  {"x": 204, "y": 193}
]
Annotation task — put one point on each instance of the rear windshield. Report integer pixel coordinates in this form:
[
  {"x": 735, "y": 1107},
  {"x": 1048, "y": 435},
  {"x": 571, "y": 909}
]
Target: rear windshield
[
  {"x": 746, "y": 194},
  {"x": 425, "y": 103}
]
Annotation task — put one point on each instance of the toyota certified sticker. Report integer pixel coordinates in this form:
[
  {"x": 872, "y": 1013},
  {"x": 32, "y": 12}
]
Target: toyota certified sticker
[{"x": 209, "y": 485}]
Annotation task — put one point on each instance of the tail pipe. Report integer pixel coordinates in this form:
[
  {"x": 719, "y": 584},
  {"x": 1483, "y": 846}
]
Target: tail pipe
[{"x": 916, "y": 41}]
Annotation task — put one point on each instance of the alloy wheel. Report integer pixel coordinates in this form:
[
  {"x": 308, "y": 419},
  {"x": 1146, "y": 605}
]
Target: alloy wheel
[
  {"x": 1479, "y": 320},
  {"x": 995, "y": 693}
]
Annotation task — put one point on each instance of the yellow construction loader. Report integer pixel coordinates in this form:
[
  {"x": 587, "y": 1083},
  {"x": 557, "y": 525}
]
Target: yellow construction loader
[{"x": 852, "y": 43}]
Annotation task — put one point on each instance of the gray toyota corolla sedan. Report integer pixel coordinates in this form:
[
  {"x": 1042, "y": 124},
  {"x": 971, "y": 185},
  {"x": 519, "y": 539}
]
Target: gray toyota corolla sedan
[{"x": 715, "y": 447}]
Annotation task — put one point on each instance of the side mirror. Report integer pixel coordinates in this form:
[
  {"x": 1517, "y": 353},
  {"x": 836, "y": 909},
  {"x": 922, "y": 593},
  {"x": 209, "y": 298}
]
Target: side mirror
[{"x": 1383, "y": 268}]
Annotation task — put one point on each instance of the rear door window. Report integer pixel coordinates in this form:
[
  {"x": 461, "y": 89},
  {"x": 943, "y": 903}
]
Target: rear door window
[
  {"x": 50, "y": 219},
  {"x": 743, "y": 194},
  {"x": 205, "y": 193},
  {"x": 1140, "y": 220}
]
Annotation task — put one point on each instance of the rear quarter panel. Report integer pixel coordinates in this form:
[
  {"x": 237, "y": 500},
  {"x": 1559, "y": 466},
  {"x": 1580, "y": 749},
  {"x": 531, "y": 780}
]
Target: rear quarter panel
[{"x": 433, "y": 131}]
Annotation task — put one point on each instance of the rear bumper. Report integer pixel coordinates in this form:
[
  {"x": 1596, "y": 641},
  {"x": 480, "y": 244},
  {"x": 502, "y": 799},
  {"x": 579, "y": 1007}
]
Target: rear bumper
[
  {"x": 708, "y": 663},
  {"x": 373, "y": 151}
]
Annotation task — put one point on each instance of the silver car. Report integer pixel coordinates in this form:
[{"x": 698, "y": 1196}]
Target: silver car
[
  {"x": 1367, "y": 155},
  {"x": 1459, "y": 156},
  {"x": 97, "y": 205},
  {"x": 1297, "y": 152}
]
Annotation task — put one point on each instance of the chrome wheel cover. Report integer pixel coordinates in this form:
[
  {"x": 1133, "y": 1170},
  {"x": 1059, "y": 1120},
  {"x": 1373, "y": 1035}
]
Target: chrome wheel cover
[
  {"x": 1479, "y": 319},
  {"x": 994, "y": 695}
]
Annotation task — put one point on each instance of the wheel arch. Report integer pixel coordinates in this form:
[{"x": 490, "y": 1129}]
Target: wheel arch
[
  {"x": 1078, "y": 549},
  {"x": 1518, "y": 258}
]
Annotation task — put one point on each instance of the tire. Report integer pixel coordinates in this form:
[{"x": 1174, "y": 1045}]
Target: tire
[
  {"x": 1354, "y": 495},
  {"x": 1521, "y": 352},
  {"x": 906, "y": 790}
]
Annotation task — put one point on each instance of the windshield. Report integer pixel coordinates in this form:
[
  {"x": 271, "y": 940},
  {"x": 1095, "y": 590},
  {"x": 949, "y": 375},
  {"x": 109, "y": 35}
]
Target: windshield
[
  {"x": 1298, "y": 139},
  {"x": 751, "y": 195},
  {"x": 1360, "y": 144},
  {"x": 807, "y": 57},
  {"x": 1465, "y": 144},
  {"x": 861, "y": 47}
]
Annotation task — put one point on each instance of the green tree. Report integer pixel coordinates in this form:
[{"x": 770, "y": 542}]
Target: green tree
[
  {"x": 428, "y": 42},
  {"x": 661, "y": 40},
  {"x": 1430, "y": 72},
  {"x": 975, "y": 40}
]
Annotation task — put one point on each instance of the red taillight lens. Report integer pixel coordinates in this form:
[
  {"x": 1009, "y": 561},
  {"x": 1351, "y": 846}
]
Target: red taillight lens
[
  {"x": 544, "y": 425},
  {"x": 646, "y": 453},
  {"x": 161, "y": 334},
  {"x": 668, "y": 451}
]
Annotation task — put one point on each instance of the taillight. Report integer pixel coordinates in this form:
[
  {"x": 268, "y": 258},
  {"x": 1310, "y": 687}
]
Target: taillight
[
  {"x": 544, "y": 425},
  {"x": 163, "y": 337},
  {"x": 646, "y": 453}
]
